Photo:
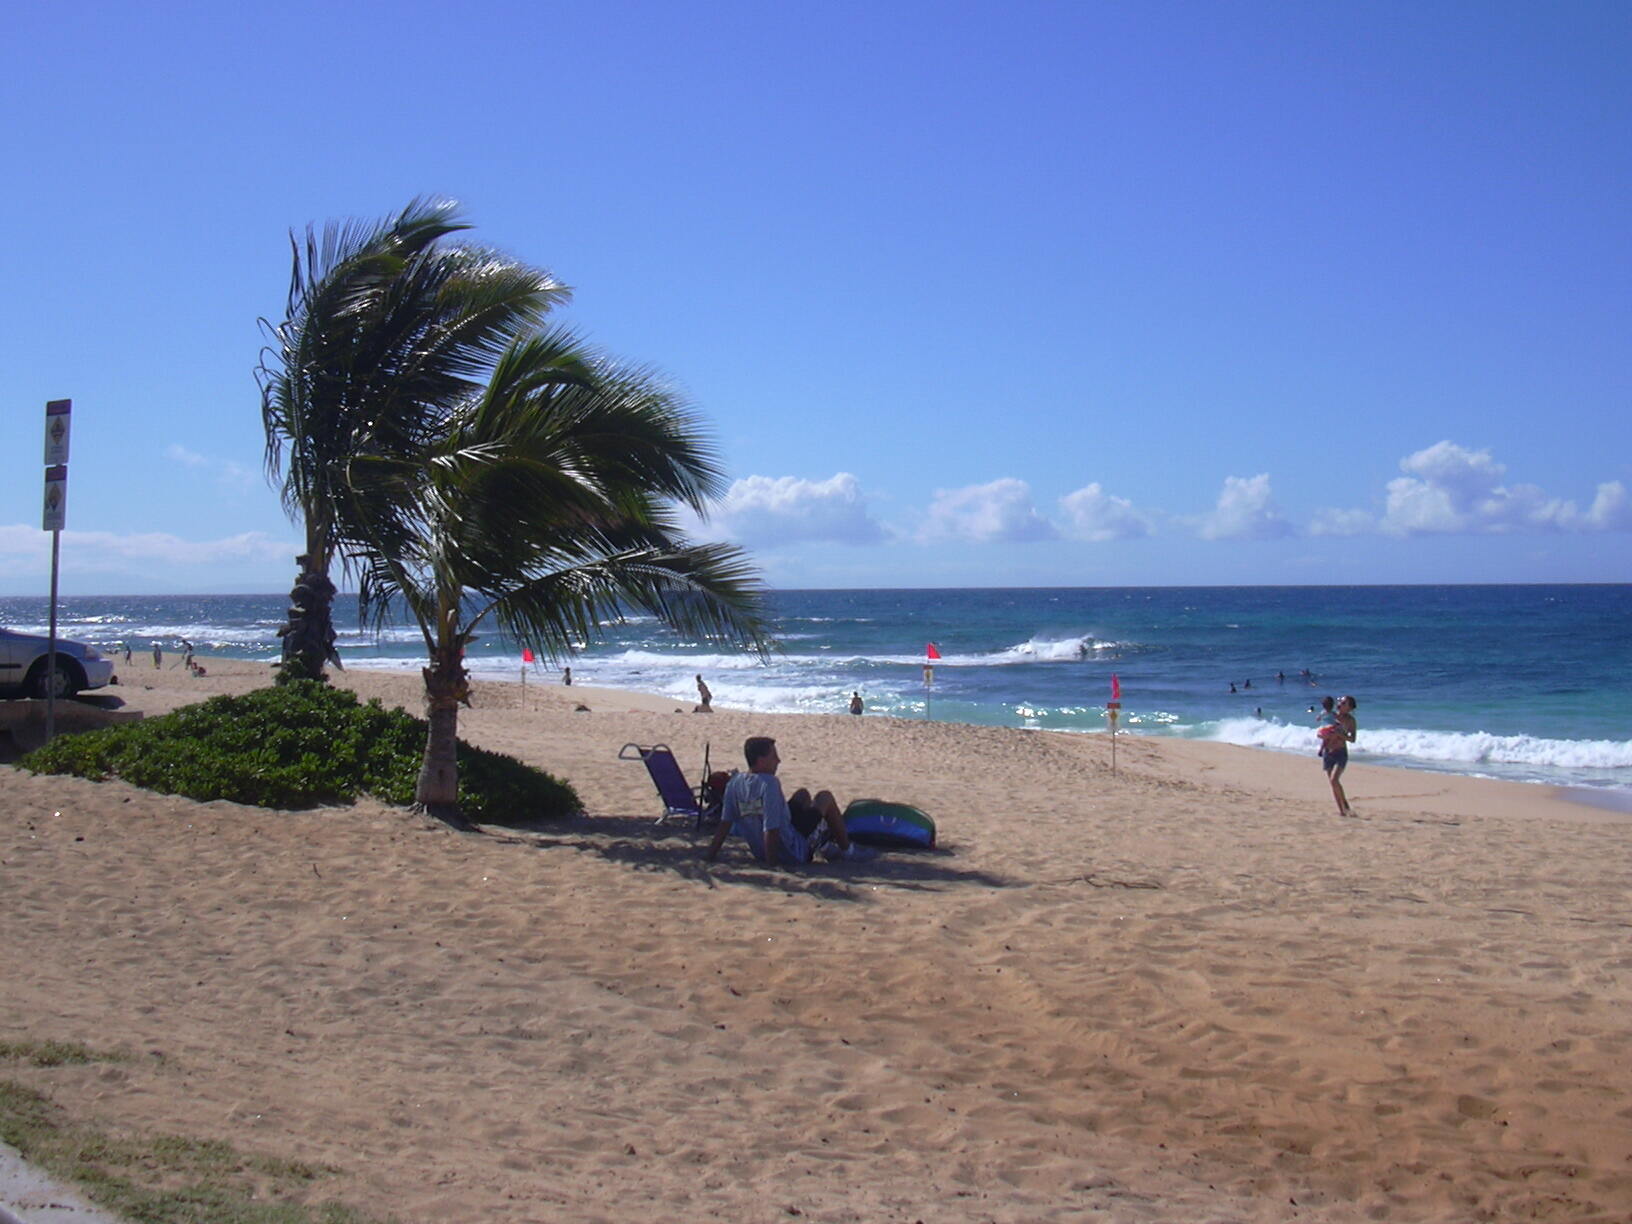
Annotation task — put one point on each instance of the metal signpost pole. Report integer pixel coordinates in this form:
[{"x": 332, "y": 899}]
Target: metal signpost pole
[{"x": 57, "y": 415}]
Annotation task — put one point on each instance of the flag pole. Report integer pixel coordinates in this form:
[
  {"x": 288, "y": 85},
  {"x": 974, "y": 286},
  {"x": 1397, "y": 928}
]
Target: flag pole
[
  {"x": 1113, "y": 707},
  {"x": 931, "y": 653}
]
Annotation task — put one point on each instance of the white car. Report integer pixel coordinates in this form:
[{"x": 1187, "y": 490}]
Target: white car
[{"x": 24, "y": 656}]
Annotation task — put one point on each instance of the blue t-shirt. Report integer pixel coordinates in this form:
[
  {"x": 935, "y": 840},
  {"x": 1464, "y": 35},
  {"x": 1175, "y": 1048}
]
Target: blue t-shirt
[{"x": 754, "y": 803}]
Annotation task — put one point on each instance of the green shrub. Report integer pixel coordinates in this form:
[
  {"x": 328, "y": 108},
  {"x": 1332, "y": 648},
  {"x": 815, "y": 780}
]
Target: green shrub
[{"x": 298, "y": 745}]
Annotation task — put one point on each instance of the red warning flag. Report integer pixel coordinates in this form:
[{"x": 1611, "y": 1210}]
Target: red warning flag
[
  {"x": 1116, "y": 688},
  {"x": 931, "y": 651},
  {"x": 526, "y": 654}
]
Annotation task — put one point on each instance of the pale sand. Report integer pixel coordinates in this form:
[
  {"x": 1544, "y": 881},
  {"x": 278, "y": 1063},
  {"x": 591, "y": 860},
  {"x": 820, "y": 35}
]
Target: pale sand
[{"x": 1189, "y": 992}]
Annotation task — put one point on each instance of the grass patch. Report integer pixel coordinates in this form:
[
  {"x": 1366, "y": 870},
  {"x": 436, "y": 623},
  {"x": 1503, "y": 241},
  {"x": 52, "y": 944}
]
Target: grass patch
[
  {"x": 164, "y": 1180},
  {"x": 299, "y": 745},
  {"x": 56, "y": 1053}
]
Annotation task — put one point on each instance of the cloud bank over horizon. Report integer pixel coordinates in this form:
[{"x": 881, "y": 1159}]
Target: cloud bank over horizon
[
  {"x": 1446, "y": 489},
  {"x": 1449, "y": 489},
  {"x": 112, "y": 556},
  {"x": 787, "y": 509}
]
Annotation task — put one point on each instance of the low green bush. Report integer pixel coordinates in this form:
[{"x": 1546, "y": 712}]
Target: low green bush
[{"x": 298, "y": 745}]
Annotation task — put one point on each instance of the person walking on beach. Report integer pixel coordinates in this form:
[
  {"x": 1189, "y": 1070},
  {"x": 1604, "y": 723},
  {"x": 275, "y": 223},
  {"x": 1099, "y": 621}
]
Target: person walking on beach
[
  {"x": 779, "y": 829},
  {"x": 566, "y": 676},
  {"x": 158, "y": 655},
  {"x": 705, "y": 698},
  {"x": 855, "y": 703},
  {"x": 1335, "y": 738}
]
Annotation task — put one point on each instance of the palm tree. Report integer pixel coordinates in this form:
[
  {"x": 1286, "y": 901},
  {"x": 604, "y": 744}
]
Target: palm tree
[
  {"x": 545, "y": 503},
  {"x": 385, "y": 327}
]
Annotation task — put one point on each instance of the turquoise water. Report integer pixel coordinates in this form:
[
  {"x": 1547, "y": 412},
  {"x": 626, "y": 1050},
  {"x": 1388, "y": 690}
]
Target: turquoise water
[{"x": 1524, "y": 682}]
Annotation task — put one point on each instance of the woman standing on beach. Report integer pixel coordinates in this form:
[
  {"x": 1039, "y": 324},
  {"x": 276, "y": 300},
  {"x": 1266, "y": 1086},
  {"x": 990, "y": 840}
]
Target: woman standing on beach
[{"x": 1335, "y": 738}]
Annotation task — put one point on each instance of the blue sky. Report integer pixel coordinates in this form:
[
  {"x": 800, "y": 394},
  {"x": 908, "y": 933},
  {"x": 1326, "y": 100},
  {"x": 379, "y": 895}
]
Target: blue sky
[{"x": 971, "y": 294}]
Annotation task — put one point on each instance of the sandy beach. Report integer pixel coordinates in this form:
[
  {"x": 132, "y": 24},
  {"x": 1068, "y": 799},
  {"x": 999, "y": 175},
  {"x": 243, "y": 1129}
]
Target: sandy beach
[{"x": 1185, "y": 992}]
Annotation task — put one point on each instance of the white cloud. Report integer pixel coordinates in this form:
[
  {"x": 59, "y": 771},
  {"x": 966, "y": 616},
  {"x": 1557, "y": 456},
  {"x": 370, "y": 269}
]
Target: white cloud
[
  {"x": 1246, "y": 510},
  {"x": 768, "y": 510},
  {"x": 1450, "y": 489},
  {"x": 980, "y": 514},
  {"x": 228, "y": 473},
  {"x": 1342, "y": 523},
  {"x": 1093, "y": 514},
  {"x": 88, "y": 551},
  {"x": 1610, "y": 509}
]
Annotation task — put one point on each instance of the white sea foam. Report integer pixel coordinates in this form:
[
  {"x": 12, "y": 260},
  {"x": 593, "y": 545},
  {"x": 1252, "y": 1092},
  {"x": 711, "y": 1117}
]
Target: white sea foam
[
  {"x": 1454, "y": 748},
  {"x": 1045, "y": 650},
  {"x": 649, "y": 660},
  {"x": 1480, "y": 748},
  {"x": 1033, "y": 650},
  {"x": 203, "y": 635}
]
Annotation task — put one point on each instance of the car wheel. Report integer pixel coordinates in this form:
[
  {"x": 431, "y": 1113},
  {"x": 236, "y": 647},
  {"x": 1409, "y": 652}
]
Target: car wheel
[{"x": 66, "y": 680}]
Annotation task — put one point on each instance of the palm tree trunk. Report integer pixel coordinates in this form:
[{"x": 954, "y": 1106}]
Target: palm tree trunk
[
  {"x": 308, "y": 635},
  {"x": 446, "y": 687}
]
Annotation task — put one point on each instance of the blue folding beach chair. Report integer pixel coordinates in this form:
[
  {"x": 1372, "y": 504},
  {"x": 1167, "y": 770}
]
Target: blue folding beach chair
[{"x": 679, "y": 797}]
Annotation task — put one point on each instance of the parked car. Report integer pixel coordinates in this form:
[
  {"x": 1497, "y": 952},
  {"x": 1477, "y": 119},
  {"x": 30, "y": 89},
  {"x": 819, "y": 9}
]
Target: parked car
[{"x": 24, "y": 657}]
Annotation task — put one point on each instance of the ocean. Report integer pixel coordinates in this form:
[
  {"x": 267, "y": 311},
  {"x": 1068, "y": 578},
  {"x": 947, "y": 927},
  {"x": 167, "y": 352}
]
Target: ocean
[{"x": 1527, "y": 683}]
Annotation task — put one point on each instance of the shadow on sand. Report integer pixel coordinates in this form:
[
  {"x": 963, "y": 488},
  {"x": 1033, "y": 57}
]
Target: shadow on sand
[
  {"x": 642, "y": 843},
  {"x": 22, "y": 720}
]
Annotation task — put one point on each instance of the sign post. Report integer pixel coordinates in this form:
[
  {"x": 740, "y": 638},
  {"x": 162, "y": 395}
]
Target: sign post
[{"x": 58, "y": 415}]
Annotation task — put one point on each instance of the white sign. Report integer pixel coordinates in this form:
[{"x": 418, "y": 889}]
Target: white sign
[
  {"x": 56, "y": 498},
  {"x": 57, "y": 413}
]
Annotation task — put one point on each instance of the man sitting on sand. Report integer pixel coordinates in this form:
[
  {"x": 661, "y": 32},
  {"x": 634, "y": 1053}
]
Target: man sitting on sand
[{"x": 779, "y": 829}]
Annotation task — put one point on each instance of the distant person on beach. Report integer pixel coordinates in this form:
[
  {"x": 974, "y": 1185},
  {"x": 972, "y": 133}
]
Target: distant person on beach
[
  {"x": 1335, "y": 738},
  {"x": 856, "y": 706},
  {"x": 158, "y": 655},
  {"x": 705, "y": 698},
  {"x": 566, "y": 676},
  {"x": 1232, "y": 686},
  {"x": 127, "y": 650},
  {"x": 779, "y": 829}
]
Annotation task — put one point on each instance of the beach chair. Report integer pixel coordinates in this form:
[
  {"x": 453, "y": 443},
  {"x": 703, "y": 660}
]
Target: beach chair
[{"x": 680, "y": 798}]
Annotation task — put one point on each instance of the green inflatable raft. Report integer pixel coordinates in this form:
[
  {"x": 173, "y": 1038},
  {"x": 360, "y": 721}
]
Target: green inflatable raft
[{"x": 877, "y": 822}]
